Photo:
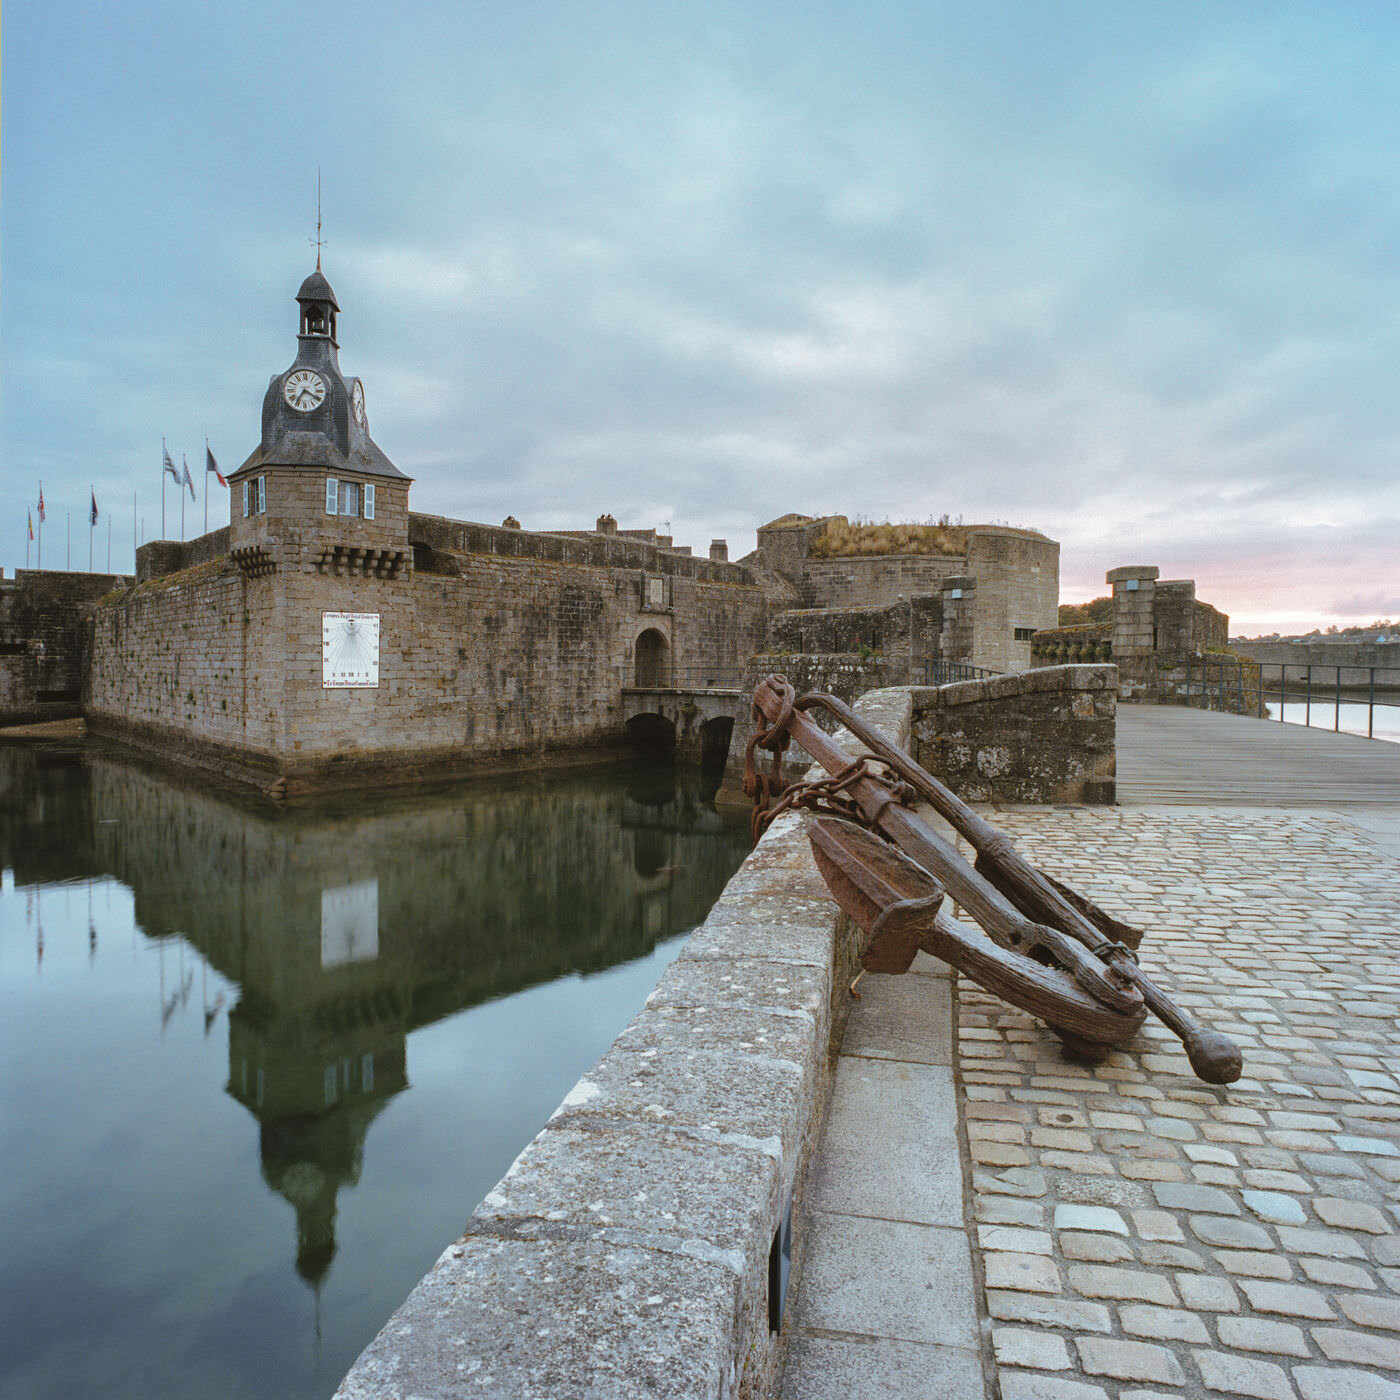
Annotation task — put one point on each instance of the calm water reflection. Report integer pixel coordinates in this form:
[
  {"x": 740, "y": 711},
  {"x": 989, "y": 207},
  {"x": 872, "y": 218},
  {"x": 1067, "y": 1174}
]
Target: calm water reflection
[{"x": 260, "y": 1066}]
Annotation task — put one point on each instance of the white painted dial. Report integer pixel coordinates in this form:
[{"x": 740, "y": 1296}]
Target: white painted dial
[
  {"x": 304, "y": 389},
  {"x": 349, "y": 650},
  {"x": 357, "y": 404}
]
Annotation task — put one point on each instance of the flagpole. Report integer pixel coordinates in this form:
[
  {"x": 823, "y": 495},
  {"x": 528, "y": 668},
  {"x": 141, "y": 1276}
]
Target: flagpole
[
  {"x": 68, "y": 540},
  {"x": 39, "y": 563},
  {"x": 109, "y": 544},
  {"x": 163, "y": 460},
  {"x": 92, "y": 524},
  {"x": 185, "y": 462},
  {"x": 134, "y": 545},
  {"x": 206, "y": 486}
]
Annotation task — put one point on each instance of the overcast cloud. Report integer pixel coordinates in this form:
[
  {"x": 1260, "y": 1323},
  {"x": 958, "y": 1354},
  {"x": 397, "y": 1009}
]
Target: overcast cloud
[{"x": 1124, "y": 273}]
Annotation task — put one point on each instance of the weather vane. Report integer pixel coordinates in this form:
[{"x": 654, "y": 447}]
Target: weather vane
[{"x": 318, "y": 242}]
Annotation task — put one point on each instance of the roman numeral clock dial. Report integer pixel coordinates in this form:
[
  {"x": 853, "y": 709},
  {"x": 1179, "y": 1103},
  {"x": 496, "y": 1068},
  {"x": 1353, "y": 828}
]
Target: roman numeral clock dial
[{"x": 304, "y": 390}]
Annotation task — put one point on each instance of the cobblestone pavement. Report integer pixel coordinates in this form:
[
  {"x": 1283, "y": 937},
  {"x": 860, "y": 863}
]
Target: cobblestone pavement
[{"x": 1141, "y": 1234}]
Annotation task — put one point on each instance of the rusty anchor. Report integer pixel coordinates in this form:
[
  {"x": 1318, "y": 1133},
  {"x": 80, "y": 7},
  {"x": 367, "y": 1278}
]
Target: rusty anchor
[{"x": 1037, "y": 943}]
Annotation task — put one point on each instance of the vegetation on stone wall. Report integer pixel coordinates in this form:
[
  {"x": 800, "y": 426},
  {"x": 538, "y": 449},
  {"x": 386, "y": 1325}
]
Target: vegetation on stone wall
[{"x": 843, "y": 539}]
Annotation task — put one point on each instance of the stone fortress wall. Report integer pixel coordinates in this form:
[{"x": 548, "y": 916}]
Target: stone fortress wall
[
  {"x": 43, "y": 641},
  {"x": 1168, "y": 645},
  {"x": 1355, "y": 658},
  {"x": 499, "y": 645},
  {"x": 990, "y": 599}
]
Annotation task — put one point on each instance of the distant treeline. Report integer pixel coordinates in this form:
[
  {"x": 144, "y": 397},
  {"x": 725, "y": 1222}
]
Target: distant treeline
[{"x": 1077, "y": 614}]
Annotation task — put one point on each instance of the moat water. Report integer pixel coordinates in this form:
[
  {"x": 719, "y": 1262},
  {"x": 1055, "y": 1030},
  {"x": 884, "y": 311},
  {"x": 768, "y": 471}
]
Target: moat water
[{"x": 260, "y": 1065}]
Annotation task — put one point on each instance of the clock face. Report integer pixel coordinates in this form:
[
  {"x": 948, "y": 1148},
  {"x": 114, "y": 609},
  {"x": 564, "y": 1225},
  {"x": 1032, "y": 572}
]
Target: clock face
[
  {"x": 304, "y": 389},
  {"x": 357, "y": 404},
  {"x": 349, "y": 650}
]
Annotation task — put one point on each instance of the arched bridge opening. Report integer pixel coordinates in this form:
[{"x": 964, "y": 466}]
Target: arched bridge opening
[{"x": 652, "y": 734}]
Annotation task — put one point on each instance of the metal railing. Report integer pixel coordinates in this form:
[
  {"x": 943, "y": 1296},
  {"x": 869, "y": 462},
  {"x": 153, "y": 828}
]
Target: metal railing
[
  {"x": 1216, "y": 683},
  {"x": 694, "y": 678},
  {"x": 941, "y": 672},
  {"x": 1302, "y": 688}
]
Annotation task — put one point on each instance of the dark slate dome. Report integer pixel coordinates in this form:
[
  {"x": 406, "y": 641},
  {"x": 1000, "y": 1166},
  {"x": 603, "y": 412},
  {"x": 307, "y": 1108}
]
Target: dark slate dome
[{"x": 316, "y": 288}]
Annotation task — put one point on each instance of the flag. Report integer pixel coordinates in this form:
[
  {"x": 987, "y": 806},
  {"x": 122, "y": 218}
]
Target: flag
[
  {"x": 210, "y": 465},
  {"x": 92, "y": 516},
  {"x": 41, "y": 505},
  {"x": 188, "y": 482},
  {"x": 29, "y": 516},
  {"x": 169, "y": 465}
]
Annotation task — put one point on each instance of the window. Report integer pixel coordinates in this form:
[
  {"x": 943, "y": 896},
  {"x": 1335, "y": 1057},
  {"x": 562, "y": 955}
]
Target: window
[
  {"x": 1023, "y": 634},
  {"x": 255, "y": 496},
  {"x": 347, "y": 498}
]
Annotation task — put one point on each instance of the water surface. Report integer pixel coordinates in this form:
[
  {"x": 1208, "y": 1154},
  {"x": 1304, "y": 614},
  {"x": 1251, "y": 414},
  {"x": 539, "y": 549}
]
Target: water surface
[{"x": 261, "y": 1065}]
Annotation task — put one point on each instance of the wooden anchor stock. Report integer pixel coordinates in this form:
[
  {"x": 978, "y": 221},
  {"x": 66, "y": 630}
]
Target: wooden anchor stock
[{"x": 1034, "y": 919}]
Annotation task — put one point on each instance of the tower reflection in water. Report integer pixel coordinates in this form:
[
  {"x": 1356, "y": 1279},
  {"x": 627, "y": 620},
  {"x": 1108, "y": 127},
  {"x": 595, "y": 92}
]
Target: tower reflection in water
[{"x": 347, "y": 926}]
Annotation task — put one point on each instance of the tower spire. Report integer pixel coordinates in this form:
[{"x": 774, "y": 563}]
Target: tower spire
[{"x": 318, "y": 240}]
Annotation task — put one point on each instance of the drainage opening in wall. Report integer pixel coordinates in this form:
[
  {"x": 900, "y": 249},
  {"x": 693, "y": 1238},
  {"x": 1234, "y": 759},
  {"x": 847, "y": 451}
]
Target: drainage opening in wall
[
  {"x": 48, "y": 697},
  {"x": 779, "y": 1268}
]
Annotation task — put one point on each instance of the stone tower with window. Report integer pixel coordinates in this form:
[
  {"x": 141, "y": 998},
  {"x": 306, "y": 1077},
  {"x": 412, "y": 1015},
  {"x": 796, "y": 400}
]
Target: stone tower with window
[{"x": 317, "y": 494}]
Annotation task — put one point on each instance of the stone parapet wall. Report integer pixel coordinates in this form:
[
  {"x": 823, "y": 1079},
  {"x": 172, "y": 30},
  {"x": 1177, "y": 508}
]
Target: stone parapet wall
[
  {"x": 1354, "y": 658},
  {"x": 493, "y": 656},
  {"x": 1084, "y": 643},
  {"x": 436, "y": 533},
  {"x": 44, "y": 641},
  {"x": 629, "y": 1249},
  {"x": 909, "y": 629},
  {"x": 1035, "y": 736},
  {"x": 156, "y": 558},
  {"x": 1205, "y": 680},
  {"x": 875, "y": 581},
  {"x": 846, "y": 675}
]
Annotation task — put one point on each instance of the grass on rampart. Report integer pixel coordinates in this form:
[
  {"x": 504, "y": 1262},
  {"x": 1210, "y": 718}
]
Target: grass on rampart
[{"x": 843, "y": 539}]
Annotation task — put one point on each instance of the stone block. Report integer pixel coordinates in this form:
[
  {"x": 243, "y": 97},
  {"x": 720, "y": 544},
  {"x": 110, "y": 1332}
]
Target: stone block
[
  {"x": 909, "y": 1109},
  {"x": 502, "y": 1317},
  {"x": 915, "y": 1280},
  {"x": 643, "y": 1185},
  {"x": 837, "y": 1368},
  {"x": 902, "y": 1018}
]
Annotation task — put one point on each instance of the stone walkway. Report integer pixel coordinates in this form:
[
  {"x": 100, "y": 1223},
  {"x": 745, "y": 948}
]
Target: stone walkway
[{"x": 1138, "y": 1234}]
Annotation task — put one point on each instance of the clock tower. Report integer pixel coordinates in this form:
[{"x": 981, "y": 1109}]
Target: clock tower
[{"x": 317, "y": 494}]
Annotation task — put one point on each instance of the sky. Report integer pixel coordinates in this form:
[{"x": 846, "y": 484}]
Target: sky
[{"x": 1127, "y": 273}]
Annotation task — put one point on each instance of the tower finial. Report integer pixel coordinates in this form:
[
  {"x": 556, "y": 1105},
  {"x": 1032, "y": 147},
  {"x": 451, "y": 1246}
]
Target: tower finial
[{"x": 318, "y": 241}]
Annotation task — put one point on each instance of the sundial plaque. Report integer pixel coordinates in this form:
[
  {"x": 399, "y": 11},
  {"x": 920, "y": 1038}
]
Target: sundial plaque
[{"x": 349, "y": 650}]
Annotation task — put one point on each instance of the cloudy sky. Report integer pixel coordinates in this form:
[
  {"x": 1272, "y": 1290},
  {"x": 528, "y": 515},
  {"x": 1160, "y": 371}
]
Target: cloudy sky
[{"x": 1124, "y": 272}]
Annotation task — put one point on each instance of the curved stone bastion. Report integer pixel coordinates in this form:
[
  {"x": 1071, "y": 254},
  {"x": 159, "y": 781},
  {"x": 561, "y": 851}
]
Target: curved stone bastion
[{"x": 638, "y": 1246}]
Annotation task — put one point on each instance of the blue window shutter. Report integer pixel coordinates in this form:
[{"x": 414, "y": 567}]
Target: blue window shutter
[
  {"x": 245, "y": 498},
  {"x": 332, "y": 494},
  {"x": 262, "y": 495},
  {"x": 369, "y": 501}
]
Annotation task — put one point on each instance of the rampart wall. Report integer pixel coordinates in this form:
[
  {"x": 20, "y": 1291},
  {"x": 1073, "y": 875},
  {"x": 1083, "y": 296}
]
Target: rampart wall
[
  {"x": 911, "y": 630},
  {"x": 483, "y": 655},
  {"x": 1355, "y": 658},
  {"x": 654, "y": 1202},
  {"x": 875, "y": 581},
  {"x": 1036, "y": 736},
  {"x": 43, "y": 641}
]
